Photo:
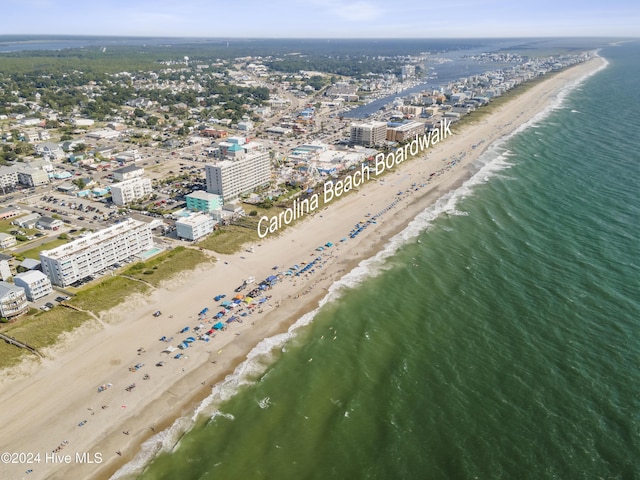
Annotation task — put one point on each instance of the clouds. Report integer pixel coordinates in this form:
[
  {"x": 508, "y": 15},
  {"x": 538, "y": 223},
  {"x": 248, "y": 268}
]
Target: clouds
[{"x": 321, "y": 18}]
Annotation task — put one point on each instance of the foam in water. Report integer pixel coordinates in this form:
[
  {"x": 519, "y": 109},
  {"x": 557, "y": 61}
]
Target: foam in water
[{"x": 488, "y": 165}]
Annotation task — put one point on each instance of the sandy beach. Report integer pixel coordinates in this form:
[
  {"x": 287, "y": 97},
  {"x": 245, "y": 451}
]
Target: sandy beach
[{"x": 52, "y": 409}]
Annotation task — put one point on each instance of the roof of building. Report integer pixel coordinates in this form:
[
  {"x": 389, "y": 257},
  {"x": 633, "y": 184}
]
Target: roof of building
[
  {"x": 30, "y": 263},
  {"x": 48, "y": 220},
  {"x": 194, "y": 220},
  {"x": 202, "y": 195},
  {"x": 30, "y": 276},
  {"x": 6, "y": 287}
]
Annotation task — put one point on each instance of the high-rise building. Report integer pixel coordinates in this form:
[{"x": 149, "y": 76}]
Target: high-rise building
[
  {"x": 231, "y": 178},
  {"x": 368, "y": 134}
]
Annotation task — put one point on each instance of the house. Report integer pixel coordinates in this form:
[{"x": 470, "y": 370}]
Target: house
[
  {"x": 7, "y": 241},
  {"x": 5, "y": 267},
  {"x": 29, "y": 264},
  {"x": 48, "y": 223},
  {"x": 49, "y": 150},
  {"x": 28, "y": 221},
  {"x": 35, "y": 284},
  {"x": 13, "y": 300}
]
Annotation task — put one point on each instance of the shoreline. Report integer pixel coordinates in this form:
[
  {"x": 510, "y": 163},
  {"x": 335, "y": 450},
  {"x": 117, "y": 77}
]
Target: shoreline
[{"x": 176, "y": 389}]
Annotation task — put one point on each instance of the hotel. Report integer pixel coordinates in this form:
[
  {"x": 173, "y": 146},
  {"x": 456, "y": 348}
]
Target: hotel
[
  {"x": 231, "y": 178},
  {"x": 94, "y": 252}
]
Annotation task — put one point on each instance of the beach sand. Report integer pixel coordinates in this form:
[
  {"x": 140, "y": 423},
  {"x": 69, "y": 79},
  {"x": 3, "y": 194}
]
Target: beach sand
[{"x": 44, "y": 404}]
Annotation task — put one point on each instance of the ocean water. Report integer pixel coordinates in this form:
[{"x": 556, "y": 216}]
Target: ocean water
[{"x": 498, "y": 337}]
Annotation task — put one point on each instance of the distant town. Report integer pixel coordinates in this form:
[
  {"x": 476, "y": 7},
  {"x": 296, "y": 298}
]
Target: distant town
[{"x": 101, "y": 170}]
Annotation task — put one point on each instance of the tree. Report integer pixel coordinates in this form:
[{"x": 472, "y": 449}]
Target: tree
[{"x": 79, "y": 148}]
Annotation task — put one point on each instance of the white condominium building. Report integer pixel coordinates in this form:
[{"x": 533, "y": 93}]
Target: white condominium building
[
  {"x": 130, "y": 190},
  {"x": 88, "y": 255},
  {"x": 13, "y": 300},
  {"x": 231, "y": 178},
  {"x": 35, "y": 283},
  {"x": 195, "y": 226},
  {"x": 368, "y": 134}
]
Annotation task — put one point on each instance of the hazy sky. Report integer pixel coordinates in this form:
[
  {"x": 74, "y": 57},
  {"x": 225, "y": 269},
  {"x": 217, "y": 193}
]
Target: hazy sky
[{"x": 323, "y": 18}]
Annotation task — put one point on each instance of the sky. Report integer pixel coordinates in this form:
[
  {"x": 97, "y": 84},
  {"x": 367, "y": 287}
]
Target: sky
[{"x": 323, "y": 18}]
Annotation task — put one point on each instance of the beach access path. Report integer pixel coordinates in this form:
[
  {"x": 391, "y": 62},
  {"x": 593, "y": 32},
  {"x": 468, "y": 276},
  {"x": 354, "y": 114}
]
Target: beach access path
[{"x": 53, "y": 406}]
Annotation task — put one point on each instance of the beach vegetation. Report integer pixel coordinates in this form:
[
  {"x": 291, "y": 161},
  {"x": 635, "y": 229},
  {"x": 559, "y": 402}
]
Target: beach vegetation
[
  {"x": 229, "y": 239},
  {"x": 107, "y": 293},
  {"x": 166, "y": 265},
  {"x": 39, "y": 330}
]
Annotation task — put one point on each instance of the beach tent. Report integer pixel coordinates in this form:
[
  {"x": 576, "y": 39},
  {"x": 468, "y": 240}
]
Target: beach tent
[
  {"x": 218, "y": 326},
  {"x": 169, "y": 349}
]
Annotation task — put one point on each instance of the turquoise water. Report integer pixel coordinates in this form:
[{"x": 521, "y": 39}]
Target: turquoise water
[{"x": 503, "y": 342}]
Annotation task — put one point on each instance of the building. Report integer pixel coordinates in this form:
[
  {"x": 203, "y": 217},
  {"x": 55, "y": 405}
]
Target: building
[
  {"x": 35, "y": 283},
  {"x": 49, "y": 223},
  {"x": 96, "y": 251},
  {"x": 13, "y": 300},
  {"x": 231, "y": 178},
  {"x": 8, "y": 178},
  {"x": 130, "y": 190},
  {"x": 368, "y": 134},
  {"x": 201, "y": 201},
  {"x": 28, "y": 221},
  {"x": 5, "y": 267},
  {"x": 7, "y": 241},
  {"x": 9, "y": 212},
  {"x": 402, "y": 132},
  {"x": 194, "y": 226},
  {"x": 127, "y": 173},
  {"x": 32, "y": 177},
  {"x": 49, "y": 150}
]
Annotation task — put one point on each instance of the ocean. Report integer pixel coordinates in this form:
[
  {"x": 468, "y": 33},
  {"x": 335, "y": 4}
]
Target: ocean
[{"x": 497, "y": 337}]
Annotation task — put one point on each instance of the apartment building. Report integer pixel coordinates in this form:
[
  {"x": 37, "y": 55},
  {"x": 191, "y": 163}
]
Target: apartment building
[
  {"x": 127, "y": 173},
  {"x": 231, "y": 178},
  {"x": 195, "y": 226},
  {"x": 7, "y": 240},
  {"x": 130, "y": 190},
  {"x": 96, "y": 251},
  {"x": 201, "y": 201},
  {"x": 8, "y": 178},
  {"x": 13, "y": 300},
  {"x": 368, "y": 134},
  {"x": 403, "y": 132},
  {"x": 35, "y": 283}
]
